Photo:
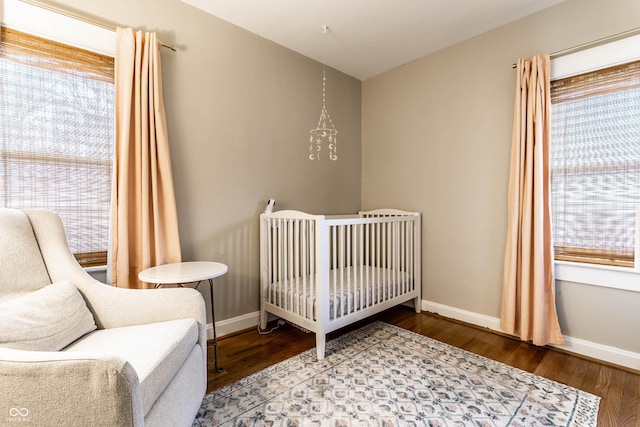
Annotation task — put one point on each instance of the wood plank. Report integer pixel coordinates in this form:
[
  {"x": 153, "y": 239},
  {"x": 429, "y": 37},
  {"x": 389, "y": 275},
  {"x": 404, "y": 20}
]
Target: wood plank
[
  {"x": 525, "y": 356},
  {"x": 629, "y": 411},
  {"x": 609, "y": 387},
  {"x": 557, "y": 367},
  {"x": 589, "y": 381}
]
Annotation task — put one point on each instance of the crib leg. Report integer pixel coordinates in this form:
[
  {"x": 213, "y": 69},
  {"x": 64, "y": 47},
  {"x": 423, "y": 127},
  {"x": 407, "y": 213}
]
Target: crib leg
[
  {"x": 320, "y": 345},
  {"x": 417, "y": 304},
  {"x": 263, "y": 319}
]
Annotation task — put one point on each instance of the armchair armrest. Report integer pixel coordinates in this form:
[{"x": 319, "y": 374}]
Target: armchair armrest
[
  {"x": 59, "y": 388},
  {"x": 116, "y": 307}
]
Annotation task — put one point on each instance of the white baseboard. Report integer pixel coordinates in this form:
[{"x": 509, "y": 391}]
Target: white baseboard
[
  {"x": 575, "y": 345},
  {"x": 602, "y": 352},
  {"x": 477, "y": 319},
  {"x": 235, "y": 324}
]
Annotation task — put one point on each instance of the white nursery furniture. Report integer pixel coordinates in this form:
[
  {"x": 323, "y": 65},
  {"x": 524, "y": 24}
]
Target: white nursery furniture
[
  {"x": 323, "y": 273},
  {"x": 77, "y": 352}
]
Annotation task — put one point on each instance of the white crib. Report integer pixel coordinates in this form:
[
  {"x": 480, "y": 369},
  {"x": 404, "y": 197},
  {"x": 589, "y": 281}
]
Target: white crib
[{"x": 323, "y": 273}]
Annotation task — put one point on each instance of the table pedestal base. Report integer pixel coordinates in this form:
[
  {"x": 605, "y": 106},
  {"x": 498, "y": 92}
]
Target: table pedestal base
[
  {"x": 213, "y": 320},
  {"x": 213, "y": 323}
]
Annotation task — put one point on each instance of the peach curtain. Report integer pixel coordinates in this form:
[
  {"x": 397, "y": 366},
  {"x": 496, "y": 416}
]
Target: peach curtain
[
  {"x": 144, "y": 224},
  {"x": 528, "y": 298}
]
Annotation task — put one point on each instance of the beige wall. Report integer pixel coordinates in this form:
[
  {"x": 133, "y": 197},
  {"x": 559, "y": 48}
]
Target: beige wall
[
  {"x": 239, "y": 111},
  {"x": 436, "y": 138}
]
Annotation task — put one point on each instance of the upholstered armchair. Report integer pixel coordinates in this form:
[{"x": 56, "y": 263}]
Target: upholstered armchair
[{"x": 74, "y": 351}]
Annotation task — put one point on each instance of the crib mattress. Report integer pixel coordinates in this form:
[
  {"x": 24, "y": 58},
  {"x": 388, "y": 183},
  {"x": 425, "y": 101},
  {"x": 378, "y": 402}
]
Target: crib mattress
[{"x": 350, "y": 289}]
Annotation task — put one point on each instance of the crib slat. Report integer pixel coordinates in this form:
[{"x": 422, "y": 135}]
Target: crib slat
[
  {"x": 296, "y": 265},
  {"x": 392, "y": 260},
  {"x": 367, "y": 258},
  {"x": 385, "y": 264},
  {"x": 357, "y": 263},
  {"x": 282, "y": 295},
  {"x": 363, "y": 250},
  {"x": 269, "y": 255},
  {"x": 403, "y": 251},
  {"x": 341, "y": 260},
  {"x": 380, "y": 276},
  {"x": 379, "y": 247},
  {"x": 347, "y": 263},
  {"x": 371, "y": 260},
  {"x": 312, "y": 265},
  {"x": 376, "y": 273},
  {"x": 406, "y": 258},
  {"x": 383, "y": 259},
  {"x": 283, "y": 265},
  {"x": 335, "y": 284},
  {"x": 351, "y": 278},
  {"x": 389, "y": 265},
  {"x": 395, "y": 256},
  {"x": 377, "y": 264},
  {"x": 278, "y": 261},
  {"x": 286, "y": 273},
  {"x": 274, "y": 260},
  {"x": 412, "y": 256},
  {"x": 303, "y": 266}
]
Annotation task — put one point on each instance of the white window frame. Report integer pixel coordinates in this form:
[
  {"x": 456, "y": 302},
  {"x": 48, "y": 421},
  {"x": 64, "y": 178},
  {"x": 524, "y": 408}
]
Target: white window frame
[
  {"x": 48, "y": 24},
  {"x": 584, "y": 61}
]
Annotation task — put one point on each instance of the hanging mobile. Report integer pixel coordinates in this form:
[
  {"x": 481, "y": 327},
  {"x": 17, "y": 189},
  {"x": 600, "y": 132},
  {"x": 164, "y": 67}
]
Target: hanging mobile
[{"x": 325, "y": 131}]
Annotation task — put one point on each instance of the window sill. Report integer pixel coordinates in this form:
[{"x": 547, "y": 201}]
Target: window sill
[
  {"x": 96, "y": 269},
  {"x": 98, "y": 272},
  {"x": 606, "y": 276}
]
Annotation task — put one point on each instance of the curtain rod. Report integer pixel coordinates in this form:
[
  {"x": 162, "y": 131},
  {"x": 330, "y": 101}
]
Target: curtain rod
[
  {"x": 586, "y": 45},
  {"x": 80, "y": 17}
]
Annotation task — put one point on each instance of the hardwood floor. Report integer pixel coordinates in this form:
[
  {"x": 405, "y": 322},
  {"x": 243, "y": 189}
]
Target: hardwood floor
[{"x": 247, "y": 352}]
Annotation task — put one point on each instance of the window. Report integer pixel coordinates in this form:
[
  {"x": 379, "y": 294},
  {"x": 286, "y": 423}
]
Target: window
[
  {"x": 595, "y": 165},
  {"x": 57, "y": 136}
]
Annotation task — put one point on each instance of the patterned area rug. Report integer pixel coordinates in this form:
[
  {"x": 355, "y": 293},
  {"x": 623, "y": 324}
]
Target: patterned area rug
[{"x": 382, "y": 375}]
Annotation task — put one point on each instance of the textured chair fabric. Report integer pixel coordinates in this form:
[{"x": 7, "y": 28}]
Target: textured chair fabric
[
  {"x": 145, "y": 364},
  {"x": 22, "y": 269}
]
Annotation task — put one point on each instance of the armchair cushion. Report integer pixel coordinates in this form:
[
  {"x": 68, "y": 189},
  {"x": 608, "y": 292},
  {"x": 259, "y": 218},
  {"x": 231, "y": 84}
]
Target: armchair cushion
[
  {"x": 155, "y": 350},
  {"x": 48, "y": 319}
]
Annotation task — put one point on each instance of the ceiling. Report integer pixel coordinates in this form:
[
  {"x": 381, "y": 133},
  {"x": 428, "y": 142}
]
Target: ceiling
[{"x": 364, "y": 38}]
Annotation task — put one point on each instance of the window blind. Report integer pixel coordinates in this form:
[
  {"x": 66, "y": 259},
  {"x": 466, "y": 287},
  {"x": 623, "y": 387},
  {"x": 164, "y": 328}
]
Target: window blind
[
  {"x": 57, "y": 135},
  {"x": 595, "y": 165}
]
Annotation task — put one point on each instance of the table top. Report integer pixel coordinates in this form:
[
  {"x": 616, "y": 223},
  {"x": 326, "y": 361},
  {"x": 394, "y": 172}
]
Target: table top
[{"x": 182, "y": 272}]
